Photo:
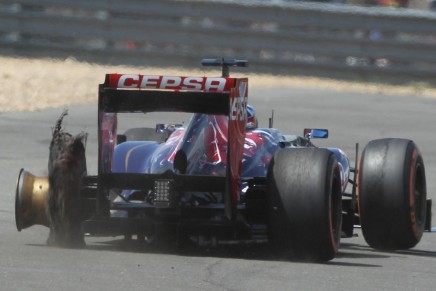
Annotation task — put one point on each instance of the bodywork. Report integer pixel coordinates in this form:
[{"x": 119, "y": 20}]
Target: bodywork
[{"x": 220, "y": 178}]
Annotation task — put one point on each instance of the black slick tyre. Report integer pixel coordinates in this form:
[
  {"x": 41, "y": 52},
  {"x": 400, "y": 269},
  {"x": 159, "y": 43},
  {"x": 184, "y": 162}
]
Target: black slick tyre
[
  {"x": 392, "y": 194},
  {"x": 304, "y": 204}
]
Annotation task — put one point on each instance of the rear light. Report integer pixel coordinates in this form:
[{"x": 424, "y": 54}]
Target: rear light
[{"x": 163, "y": 190}]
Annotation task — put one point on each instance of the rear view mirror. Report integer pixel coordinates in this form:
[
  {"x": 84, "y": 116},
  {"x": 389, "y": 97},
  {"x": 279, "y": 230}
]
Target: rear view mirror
[{"x": 316, "y": 133}]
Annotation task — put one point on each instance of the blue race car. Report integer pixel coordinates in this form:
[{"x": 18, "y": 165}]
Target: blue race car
[{"x": 220, "y": 178}]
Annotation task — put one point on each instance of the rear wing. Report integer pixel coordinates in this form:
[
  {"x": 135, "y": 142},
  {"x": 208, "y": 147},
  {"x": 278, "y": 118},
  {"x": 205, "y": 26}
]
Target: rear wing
[
  {"x": 123, "y": 93},
  {"x": 138, "y": 93}
]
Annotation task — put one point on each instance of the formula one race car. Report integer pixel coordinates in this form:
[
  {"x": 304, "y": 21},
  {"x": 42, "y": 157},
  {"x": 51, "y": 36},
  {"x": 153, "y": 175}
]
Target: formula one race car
[{"x": 220, "y": 178}]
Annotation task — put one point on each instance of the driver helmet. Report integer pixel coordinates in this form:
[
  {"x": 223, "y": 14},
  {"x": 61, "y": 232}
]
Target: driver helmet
[{"x": 251, "y": 118}]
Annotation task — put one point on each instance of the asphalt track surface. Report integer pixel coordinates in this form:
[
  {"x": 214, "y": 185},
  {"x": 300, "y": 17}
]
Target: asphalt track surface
[{"x": 26, "y": 263}]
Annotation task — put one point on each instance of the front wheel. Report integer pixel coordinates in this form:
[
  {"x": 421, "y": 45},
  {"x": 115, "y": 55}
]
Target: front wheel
[
  {"x": 392, "y": 194},
  {"x": 304, "y": 203}
]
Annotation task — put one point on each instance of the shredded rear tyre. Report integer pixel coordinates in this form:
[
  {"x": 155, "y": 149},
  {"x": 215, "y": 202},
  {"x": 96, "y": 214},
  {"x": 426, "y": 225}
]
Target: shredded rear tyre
[{"x": 66, "y": 167}]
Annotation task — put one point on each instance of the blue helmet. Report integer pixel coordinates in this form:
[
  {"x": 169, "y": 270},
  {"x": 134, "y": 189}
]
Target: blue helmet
[{"x": 251, "y": 118}]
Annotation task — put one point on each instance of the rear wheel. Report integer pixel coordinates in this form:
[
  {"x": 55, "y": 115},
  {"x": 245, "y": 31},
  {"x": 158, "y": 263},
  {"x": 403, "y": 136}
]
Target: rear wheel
[
  {"x": 304, "y": 203},
  {"x": 392, "y": 194},
  {"x": 67, "y": 168}
]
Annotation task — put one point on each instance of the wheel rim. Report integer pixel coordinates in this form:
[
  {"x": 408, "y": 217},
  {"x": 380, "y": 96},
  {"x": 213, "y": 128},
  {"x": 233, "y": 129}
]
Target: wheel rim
[
  {"x": 418, "y": 193},
  {"x": 335, "y": 211}
]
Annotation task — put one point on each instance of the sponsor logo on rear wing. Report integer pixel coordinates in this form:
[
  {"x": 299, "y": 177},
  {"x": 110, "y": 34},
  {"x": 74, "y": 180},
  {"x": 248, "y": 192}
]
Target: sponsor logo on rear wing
[{"x": 135, "y": 81}]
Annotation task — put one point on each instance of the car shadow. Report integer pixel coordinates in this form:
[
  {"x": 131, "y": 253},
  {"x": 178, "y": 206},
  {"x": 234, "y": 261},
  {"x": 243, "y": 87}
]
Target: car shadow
[
  {"x": 259, "y": 252},
  {"x": 361, "y": 251}
]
